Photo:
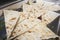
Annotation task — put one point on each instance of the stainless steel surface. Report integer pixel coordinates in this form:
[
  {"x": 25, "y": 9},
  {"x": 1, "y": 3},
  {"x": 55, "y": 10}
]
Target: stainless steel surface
[
  {"x": 8, "y": 4},
  {"x": 11, "y": 6}
]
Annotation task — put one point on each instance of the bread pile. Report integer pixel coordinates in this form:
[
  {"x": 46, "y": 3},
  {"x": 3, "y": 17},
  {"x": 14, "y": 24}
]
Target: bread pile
[{"x": 31, "y": 24}]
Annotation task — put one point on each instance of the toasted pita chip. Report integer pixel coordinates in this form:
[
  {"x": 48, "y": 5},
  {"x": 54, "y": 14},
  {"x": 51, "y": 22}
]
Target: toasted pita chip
[
  {"x": 24, "y": 26},
  {"x": 39, "y": 32},
  {"x": 11, "y": 18}
]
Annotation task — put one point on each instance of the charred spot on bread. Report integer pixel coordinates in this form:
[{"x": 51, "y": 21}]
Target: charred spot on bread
[
  {"x": 30, "y": 11},
  {"x": 40, "y": 17},
  {"x": 25, "y": 24},
  {"x": 7, "y": 27},
  {"x": 19, "y": 30},
  {"x": 14, "y": 32},
  {"x": 17, "y": 39},
  {"x": 29, "y": 31},
  {"x": 45, "y": 20},
  {"x": 13, "y": 18}
]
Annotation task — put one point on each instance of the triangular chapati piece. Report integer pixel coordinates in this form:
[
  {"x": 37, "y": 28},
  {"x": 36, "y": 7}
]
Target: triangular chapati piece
[
  {"x": 24, "y": 26},
  {"x": 11, "y": 18},
  {"x": 39, "y": 32}
]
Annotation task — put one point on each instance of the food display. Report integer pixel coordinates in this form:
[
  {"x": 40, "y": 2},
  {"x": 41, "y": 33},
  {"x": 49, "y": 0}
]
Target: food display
[{"x": 31, "y": 23}]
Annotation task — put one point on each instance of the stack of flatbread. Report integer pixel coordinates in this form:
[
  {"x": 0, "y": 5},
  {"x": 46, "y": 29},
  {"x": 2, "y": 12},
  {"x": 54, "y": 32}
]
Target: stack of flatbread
[{"x": 31, "y": 24}]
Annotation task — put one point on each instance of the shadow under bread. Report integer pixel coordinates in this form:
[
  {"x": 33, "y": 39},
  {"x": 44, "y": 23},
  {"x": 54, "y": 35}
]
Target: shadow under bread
[
  {"x": 2, "y": 27},
  {"x": 54, "y": 26}
]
